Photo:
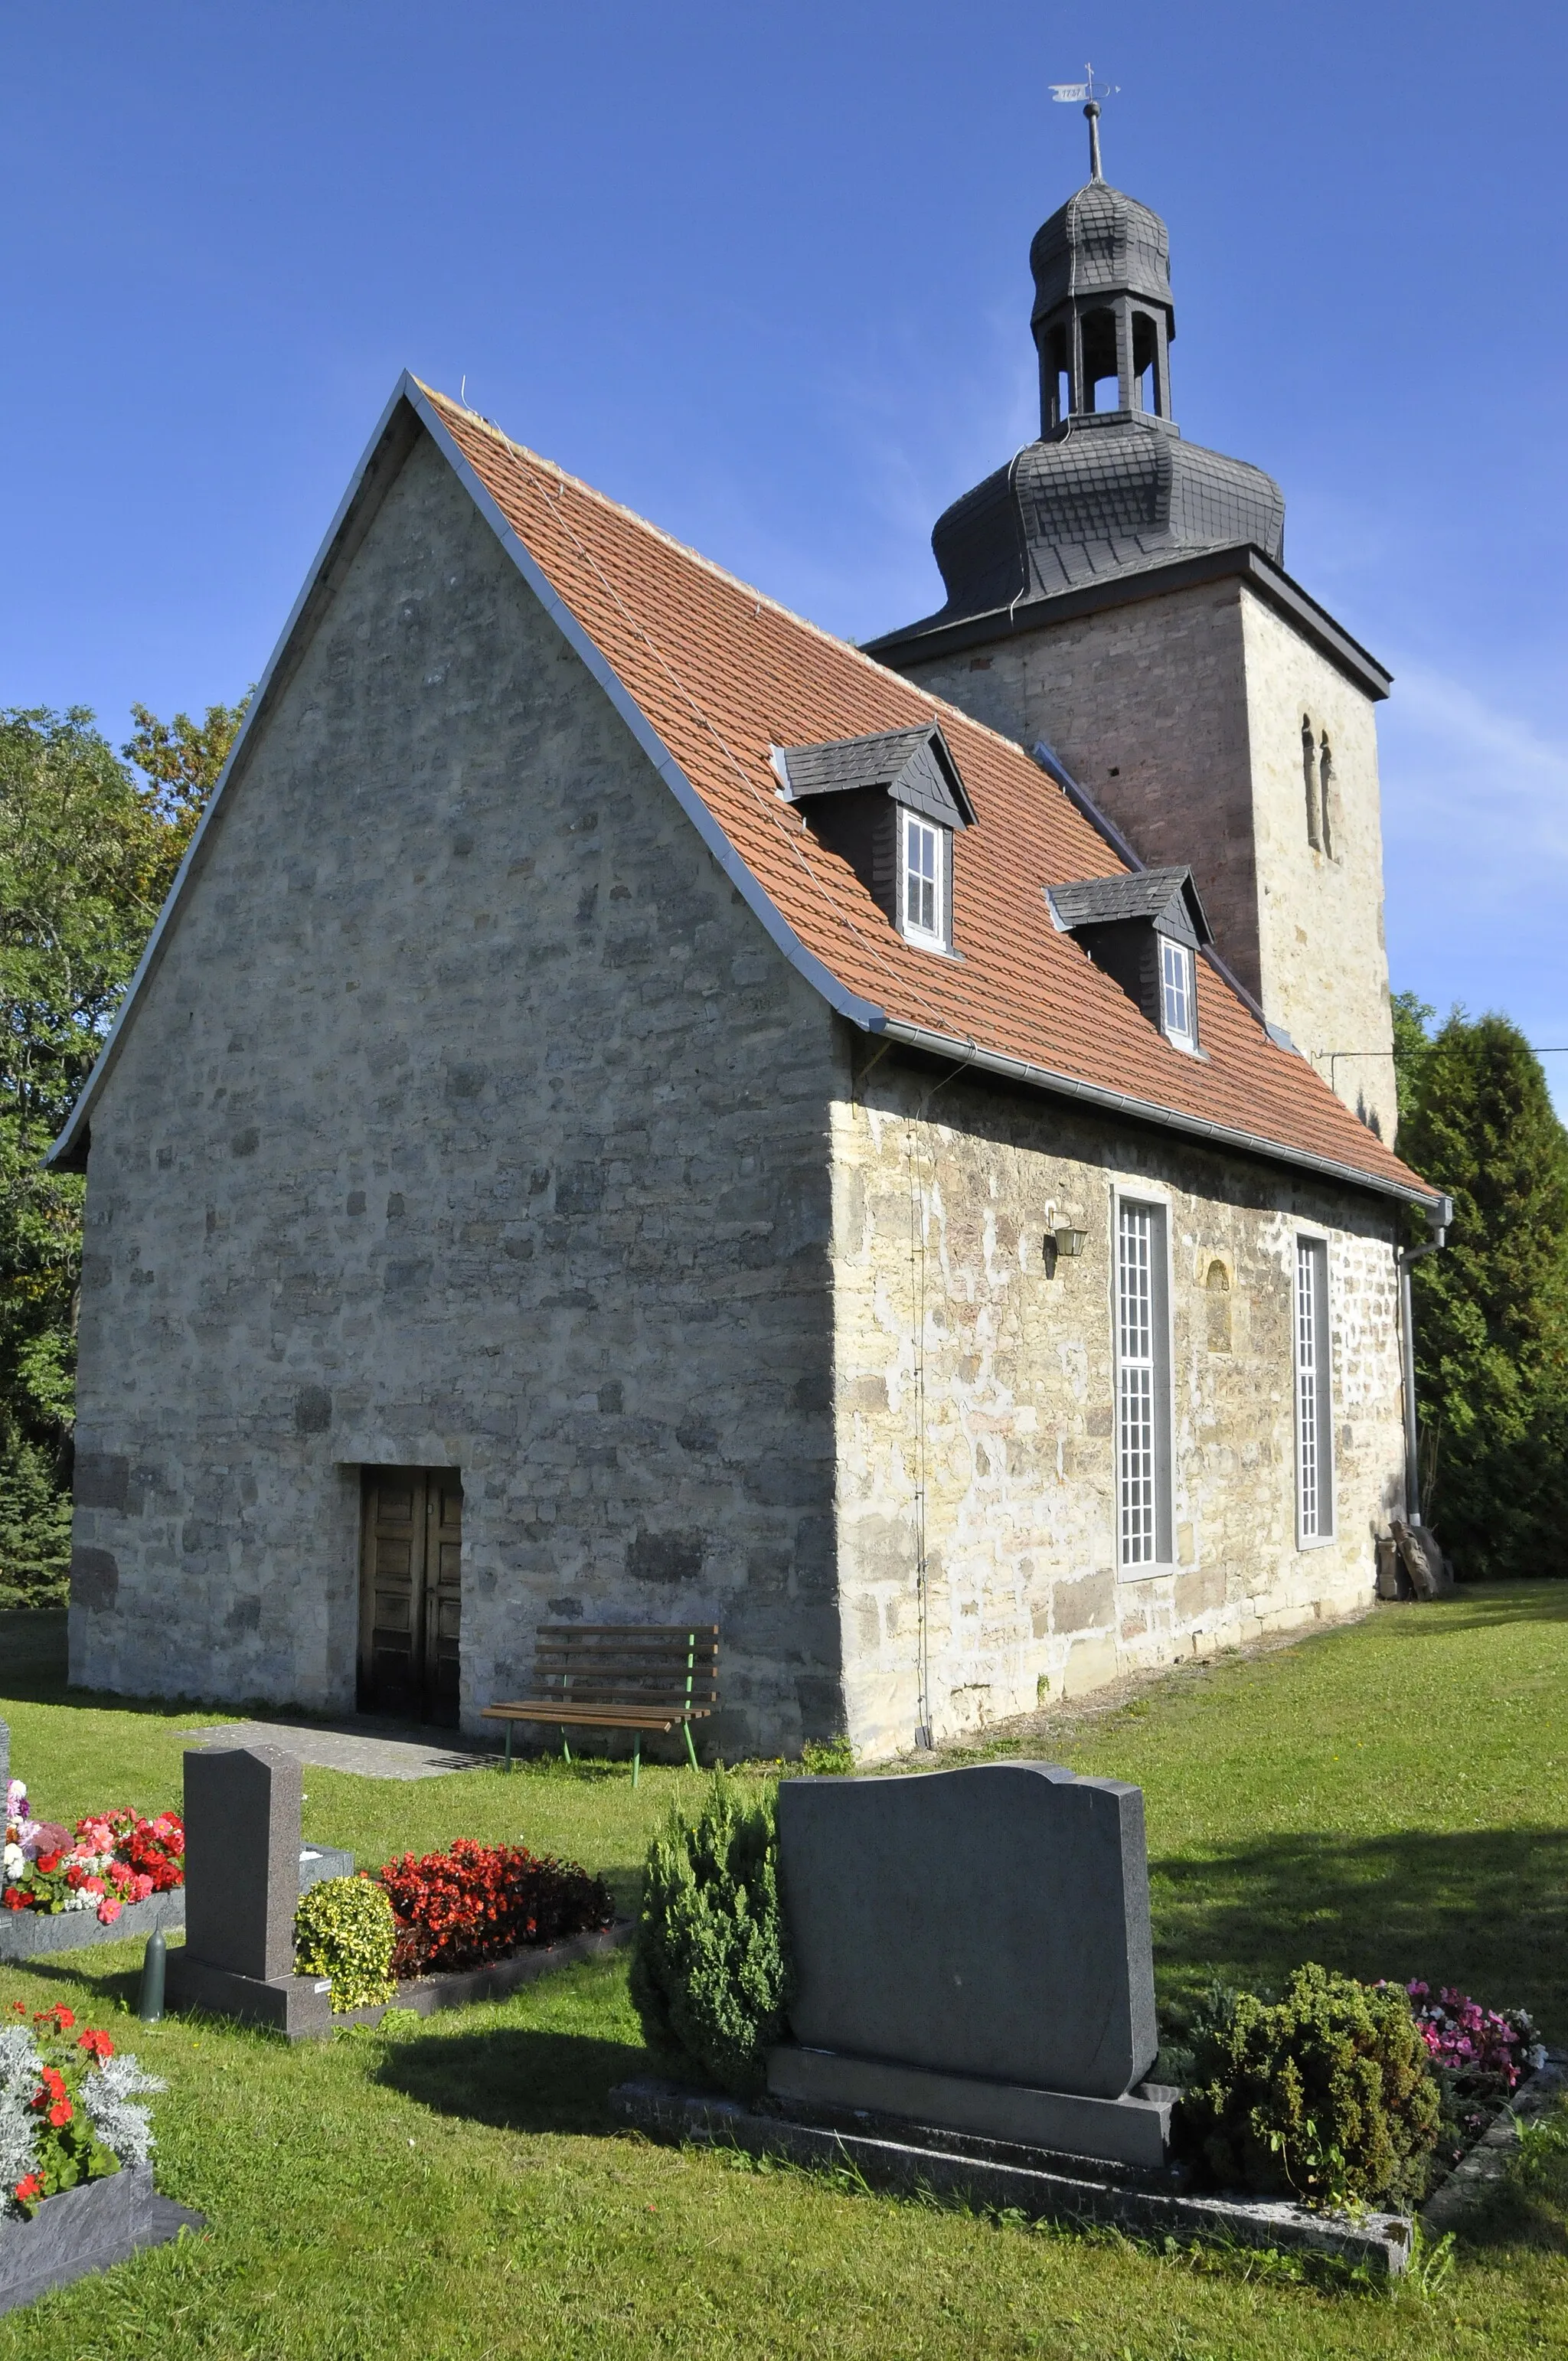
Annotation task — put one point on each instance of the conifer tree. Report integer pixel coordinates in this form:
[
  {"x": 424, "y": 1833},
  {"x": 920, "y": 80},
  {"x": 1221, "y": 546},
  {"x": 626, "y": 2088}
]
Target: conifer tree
[{"x": 1491, "y": 1309}]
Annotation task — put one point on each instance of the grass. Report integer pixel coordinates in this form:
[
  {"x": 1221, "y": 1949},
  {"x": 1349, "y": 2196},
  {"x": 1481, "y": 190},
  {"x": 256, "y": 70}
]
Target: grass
[{"x": 1390, "y": 1799}]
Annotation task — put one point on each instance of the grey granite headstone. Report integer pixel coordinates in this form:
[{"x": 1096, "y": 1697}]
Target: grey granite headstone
[
  {"x": 973, "y": 1950},
  {"x": 242, "y": 1883},
  {"x": 242, "y": 1858}
]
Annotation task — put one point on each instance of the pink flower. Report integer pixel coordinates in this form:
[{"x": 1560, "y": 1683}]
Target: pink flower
[{"x": 109, "y": 1910}]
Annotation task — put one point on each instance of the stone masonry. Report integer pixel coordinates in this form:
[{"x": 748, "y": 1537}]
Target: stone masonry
[
  {"x": 1181, "y": 717},
  {"x": 975, "y": 1396},
  {"x": 470, "y": 1120}
]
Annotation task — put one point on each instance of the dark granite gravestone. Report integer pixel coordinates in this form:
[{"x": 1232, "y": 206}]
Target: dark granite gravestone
[
  {"x": 242, "y": 1882},
  {"x": 972, "y": 1951}
]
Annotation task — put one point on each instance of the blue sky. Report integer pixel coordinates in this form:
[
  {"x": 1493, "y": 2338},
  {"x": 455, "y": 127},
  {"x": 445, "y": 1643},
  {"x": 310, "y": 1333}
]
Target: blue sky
[{"x": 761, "y": 273}]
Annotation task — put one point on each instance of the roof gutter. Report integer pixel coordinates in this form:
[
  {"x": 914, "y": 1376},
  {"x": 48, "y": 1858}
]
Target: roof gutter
[{"x": 1194, "y": 1126}]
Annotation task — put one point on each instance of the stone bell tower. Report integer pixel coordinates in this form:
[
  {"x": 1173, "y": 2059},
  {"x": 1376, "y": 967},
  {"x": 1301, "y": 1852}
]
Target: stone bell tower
[{"x": 1119, "y": 594}]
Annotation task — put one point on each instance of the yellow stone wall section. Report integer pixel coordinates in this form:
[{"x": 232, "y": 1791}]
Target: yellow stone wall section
[{"x": 974, "y": 1399}]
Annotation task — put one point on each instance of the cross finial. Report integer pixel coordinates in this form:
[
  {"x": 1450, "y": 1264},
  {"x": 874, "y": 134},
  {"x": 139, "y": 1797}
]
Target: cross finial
[{"x": 1090, "y": 92}]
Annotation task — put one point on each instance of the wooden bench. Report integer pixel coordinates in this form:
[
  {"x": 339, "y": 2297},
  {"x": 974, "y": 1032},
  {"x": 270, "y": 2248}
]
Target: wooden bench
[{"x": 636, "y": 1677}]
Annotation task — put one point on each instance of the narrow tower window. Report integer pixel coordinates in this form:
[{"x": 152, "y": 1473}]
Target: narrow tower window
[
  {"x": 1309, "y": 774},
  {"x": 1146, "y": 372},
  {"x": 1314, "y": 1395},
  {"x": 1055, "y": 383},
  {"x": 1326, "y": 796},
  {"x": 1100, "y": 360},
  {"x": 1143, "y": 1387}
]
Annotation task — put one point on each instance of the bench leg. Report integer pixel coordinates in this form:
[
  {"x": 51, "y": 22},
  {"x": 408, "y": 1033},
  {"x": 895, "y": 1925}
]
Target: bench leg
[
  {"x": 508, "y": 1763},
  {"x": 636, "y": 1756},
  {"x": 566, "y": 1748},
  {"x": 691, "y": 1750}
]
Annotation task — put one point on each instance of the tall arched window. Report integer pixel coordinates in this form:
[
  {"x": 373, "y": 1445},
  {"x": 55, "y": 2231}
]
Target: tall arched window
[
  {"x": 1310, "y": 778},
  {"x": 1326, "y": 796}
]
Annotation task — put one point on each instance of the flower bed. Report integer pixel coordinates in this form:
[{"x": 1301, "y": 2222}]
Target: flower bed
[
  {"x": 1480, "y": 2057},
  {"x": 67, "y": 2109},
  {"x": 112, "y": 1859},
  {"x": 481, "y": 1903}
]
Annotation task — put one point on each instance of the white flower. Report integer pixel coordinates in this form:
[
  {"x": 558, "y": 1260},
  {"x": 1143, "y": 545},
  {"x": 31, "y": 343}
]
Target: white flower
[
  {"x": 20, "y": 2067},
  {"x": 107, "y": 2094},
  {"x": 16, "y": 1861}
]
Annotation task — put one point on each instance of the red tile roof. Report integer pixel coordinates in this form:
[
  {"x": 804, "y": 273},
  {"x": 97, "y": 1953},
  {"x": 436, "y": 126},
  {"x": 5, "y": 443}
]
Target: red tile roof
[{"x": 722, "y": 673}]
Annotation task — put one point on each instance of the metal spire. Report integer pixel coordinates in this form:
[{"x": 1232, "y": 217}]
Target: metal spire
[{"x": 1090, "y": 93}]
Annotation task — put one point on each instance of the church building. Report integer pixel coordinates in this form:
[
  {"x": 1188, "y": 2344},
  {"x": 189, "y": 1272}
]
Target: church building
[{"x": 637, "y": 1110}]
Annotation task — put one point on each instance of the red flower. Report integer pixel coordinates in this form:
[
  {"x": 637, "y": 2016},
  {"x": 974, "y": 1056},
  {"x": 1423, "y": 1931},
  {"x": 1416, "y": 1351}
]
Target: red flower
[
  {"x": 96, "y": 2045},
  {"x": 65, "y": 2018},
  {"x": 47, "y": 1863},
  {"x": 53, "y": 2084},
  {"x": 15, "y": 1899},
  {"x": 59, "y": 2114},
  {"x": 28, "y": 2187}
]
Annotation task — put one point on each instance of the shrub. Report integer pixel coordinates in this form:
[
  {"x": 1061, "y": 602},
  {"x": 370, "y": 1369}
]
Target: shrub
[
  {"x": 710, "y": 1969},
  {"x": 344, "y": 1929},
  {"x": 1327, "y": 2095},
  {"x": 479, "y": 1902}
]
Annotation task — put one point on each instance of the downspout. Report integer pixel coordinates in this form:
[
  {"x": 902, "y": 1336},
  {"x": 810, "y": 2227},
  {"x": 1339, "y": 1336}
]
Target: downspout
[{"x": 1440, "y": 1218}]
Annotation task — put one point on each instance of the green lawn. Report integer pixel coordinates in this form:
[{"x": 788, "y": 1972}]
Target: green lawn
[{"x": 1392, "y": 1799}]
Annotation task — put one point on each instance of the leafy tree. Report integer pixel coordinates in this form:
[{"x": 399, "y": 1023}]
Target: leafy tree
[
  {"x": 1491, "y": 1309},
  {"x": 87, "y": 852},
  {"x": 1413, "y": 1021},
  {"x": 182, "y": 760}
]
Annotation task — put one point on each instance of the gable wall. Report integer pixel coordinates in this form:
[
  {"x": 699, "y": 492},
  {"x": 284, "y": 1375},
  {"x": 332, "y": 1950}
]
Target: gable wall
[
  {"x": 965, "y": 1371},
  {"x": 470, "y": 1120}
]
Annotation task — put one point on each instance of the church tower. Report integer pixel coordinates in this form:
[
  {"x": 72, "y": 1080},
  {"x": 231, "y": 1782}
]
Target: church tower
[{"x": 1119, "y": 595}]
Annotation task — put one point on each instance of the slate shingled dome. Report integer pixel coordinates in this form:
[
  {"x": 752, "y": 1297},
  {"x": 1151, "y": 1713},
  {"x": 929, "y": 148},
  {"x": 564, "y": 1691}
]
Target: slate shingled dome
[
  {"x": 1103, "y": 493},
  {"x": 1101, "y": 239}
]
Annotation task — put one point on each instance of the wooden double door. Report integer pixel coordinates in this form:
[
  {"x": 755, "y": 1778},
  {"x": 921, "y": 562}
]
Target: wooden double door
[{"x": 411, "y": 1596}]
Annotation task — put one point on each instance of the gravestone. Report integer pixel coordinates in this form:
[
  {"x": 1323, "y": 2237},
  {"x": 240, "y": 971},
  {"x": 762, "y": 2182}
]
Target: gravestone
[
  {"x": 972, "y": 1951},
  {"x": 242, "y": 1882}
]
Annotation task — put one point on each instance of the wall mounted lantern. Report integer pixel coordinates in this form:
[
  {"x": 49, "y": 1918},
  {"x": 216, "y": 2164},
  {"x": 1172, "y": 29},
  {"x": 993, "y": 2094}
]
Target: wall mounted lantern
[{"x": 1061, "y": 1242}]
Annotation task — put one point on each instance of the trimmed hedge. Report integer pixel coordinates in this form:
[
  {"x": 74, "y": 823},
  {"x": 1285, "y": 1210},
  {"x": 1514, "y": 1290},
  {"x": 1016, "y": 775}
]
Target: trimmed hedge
[{"x": 710, "y": 1971}]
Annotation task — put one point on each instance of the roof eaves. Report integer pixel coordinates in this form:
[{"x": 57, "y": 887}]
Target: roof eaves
[
  {"x": 942, "y": 635},
  {"x": 1217, "y": 1134}
]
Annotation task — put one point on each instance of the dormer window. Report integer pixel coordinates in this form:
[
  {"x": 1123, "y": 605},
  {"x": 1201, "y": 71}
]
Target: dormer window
[
  {"x": 1179, "y": 1001},
  {"x": 924, "y": 880},
  {"x": 891, "y": 805},
  {"x": 1144, "y": 929}
]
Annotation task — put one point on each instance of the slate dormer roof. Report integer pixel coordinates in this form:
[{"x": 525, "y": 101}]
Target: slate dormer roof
[
  {"x": 915, "y": 766},
  {"x": 710, "y": 676},
  {"x": 1167, "y": 897}
]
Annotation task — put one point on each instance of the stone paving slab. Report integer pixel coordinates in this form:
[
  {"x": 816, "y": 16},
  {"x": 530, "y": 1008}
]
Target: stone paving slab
[{"x": 347, "y": 1748}]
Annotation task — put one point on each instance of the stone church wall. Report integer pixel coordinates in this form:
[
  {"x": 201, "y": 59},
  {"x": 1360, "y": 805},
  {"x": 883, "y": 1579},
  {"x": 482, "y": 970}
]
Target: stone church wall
[
  {"x": 470, "y": 1120},
  {"x": 967, "y": 1372}
]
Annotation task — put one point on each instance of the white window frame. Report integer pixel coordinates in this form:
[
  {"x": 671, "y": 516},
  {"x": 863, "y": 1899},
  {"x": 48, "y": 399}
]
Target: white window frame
[
  {"x": 1172, "y": 952},
  {"x": 910, "y": 823},
  {"x": 1142, "y": 1437},
  {"x": 1311, "y": 1338}
]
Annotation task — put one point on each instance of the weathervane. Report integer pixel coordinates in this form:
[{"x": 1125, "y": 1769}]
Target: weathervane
[{"x": 1089, "y": 91}]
